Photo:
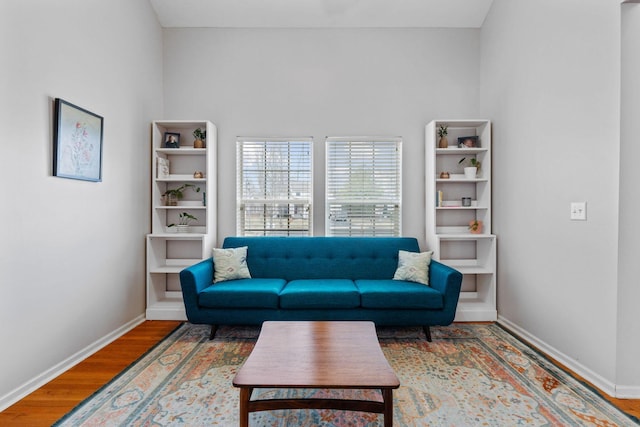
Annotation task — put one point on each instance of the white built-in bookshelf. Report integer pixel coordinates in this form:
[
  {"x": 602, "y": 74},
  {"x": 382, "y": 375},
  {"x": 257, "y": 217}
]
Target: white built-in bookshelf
[
  {"x": 170, "y": 250},
  {"x": 448, "y": 218}
]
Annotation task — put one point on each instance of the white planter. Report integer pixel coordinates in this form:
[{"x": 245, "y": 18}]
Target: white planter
[
  {"x": 182, "y": 228},
  {"x": 470, "y": 172}
]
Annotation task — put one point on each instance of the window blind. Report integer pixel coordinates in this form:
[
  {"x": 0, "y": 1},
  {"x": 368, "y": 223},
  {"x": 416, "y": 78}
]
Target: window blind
[
  {"x": 274, "y": 187},
  {"x": 363, "y": 186}
]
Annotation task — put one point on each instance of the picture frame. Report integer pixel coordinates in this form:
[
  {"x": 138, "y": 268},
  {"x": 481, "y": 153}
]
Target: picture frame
[
  {"x": 171, "y": 140},
  {"x": 77, "y": 142},
  {"x": 468, "y": 142}
]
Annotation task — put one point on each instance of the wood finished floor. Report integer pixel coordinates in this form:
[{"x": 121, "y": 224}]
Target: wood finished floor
[{"x": 50, "y": 402}]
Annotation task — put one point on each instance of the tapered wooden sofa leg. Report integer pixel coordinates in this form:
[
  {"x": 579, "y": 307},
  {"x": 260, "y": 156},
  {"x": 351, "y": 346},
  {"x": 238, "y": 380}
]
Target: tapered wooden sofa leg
[
  {"x": 214, "y": 329},
  {"x": 427, "y": 332}
]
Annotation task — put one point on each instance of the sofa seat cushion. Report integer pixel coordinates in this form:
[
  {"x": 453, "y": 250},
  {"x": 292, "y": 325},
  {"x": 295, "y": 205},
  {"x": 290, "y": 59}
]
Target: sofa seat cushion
[
  {"x": 320, "y": 293},
  {"x": 242, "y": 293},
  {"x": 398, "y": 294}
]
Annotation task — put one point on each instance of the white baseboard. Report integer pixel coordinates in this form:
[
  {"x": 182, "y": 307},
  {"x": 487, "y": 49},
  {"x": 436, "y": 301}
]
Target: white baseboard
[
  {"x": 613, "y": 390},
  {"x": 475, "y": 315},
  {"x": 167, "y": 314},
  {"x": 40, "y": 380},
  {"x": 627, "y": 392}
]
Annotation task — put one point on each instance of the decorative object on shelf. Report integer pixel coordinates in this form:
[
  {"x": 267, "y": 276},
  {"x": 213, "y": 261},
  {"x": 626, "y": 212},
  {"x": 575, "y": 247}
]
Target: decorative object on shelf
[
  {"x": 443, "y": 130},
  {"x": 184, "y": 221},
  {"x": 77, "y": 142},
  {"x": 171, "y": 140},
  {"x": 163, "y": 167},
  {"x": 468, "y": 142},
  {"x": 174, "y": 195},
  {"x": 170, "y": 199},
  {"x": 200, "y": 137},
  {"x": 475, "y": 226},
  {"x": 198, "y": 174},
  {"x": 466, "y": 201},
  {"x": 470, "y": 171},
  {"x": 444, "y": 175}
]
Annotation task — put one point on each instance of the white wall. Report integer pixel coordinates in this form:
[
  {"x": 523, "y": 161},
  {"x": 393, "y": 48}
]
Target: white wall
[
  {"x": 628, "y": 373},
  {"x": 550, "y": 81},
  {"x": 72, "y": 252},
  {"x": 327, "y": 82}
]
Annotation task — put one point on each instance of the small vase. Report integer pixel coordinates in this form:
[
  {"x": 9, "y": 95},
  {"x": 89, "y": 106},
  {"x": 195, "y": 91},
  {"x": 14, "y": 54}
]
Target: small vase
[
  {"x": 182, "y": 228},
  {"x": 198, "y": 143},
  {"x": 470, "y": 172},
  {"x": 444, "y": 143},
  {"x": 170, "y": 200}
]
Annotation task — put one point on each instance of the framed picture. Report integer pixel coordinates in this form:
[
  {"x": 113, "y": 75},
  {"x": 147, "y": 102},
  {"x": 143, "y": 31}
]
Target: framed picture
[
  {"x": 171, "y": 140},
  {"x": 77, "y": 142},
  {"x": 468, "y": 142}
]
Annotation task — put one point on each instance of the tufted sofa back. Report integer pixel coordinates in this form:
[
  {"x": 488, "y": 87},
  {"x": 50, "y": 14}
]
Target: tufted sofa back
[{"x": 292, "y": 258}]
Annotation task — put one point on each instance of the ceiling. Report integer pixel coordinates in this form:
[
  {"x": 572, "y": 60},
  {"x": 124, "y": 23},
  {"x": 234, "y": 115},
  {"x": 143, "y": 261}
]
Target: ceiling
[{"x": 322, "y": 13}]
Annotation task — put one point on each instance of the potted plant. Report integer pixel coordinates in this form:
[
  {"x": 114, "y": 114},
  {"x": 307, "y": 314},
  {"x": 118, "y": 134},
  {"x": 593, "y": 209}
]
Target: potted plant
[
  {"x": 184, "y": 220},
  {"x": 443, "y": 131},
  {"x": 200, "y": 136},
  {"x": 475, "y": 226},
  {"x": 174, "y": 195},
  {"x": 471, "y": 167}
]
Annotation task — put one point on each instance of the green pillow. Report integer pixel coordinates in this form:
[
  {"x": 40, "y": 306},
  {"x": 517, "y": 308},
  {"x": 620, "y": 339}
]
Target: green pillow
[
  {"x": 230, "y": 264},
  {"x": 413, "y": 266}
]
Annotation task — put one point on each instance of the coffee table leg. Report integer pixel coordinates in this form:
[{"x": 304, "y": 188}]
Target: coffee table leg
[
  {"x": 245, "y": 395},
  {"x": 387, "y": 397}
]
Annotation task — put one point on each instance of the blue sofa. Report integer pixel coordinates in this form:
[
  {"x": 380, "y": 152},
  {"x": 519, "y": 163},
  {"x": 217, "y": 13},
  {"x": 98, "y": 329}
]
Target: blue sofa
[{"x": 321, "y": 278}]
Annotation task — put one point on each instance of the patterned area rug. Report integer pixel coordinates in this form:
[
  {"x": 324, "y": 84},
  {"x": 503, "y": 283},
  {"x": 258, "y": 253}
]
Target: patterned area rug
[{"x": 470, "y": 375}]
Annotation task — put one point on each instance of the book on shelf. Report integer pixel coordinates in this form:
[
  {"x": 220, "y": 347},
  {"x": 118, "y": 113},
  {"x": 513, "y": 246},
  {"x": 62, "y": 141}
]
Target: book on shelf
[
  {"x": 439, "y": 196},
  {"x": 163, "y": 168}
]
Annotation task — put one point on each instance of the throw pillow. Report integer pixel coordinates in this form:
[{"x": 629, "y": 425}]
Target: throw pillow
[
  {"x": 230, "y": 264},
  {"x": 413, "y": 266}
]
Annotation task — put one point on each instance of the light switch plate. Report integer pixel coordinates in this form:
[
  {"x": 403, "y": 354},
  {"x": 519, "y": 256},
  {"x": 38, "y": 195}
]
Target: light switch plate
[{"x": 578, "y": 211}]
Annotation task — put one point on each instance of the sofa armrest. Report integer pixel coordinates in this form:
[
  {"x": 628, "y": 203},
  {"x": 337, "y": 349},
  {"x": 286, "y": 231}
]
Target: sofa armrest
[
  {"x": 448, "y": 281},
  {"x": 193, "y": 280}
]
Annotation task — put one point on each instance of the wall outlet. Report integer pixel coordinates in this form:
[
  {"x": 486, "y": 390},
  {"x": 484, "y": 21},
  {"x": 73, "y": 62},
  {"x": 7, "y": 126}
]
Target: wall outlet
[{"x": 578, "y": 211}]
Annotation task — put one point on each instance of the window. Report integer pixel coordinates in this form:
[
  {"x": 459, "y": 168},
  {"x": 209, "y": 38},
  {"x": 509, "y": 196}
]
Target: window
[
  {"x": 364, "y": 187},
  {"x": 274, "y": 187}
]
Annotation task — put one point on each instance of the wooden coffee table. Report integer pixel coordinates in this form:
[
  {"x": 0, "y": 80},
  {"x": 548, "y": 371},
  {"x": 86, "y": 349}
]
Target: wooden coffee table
[{"x": 320, "y": 355}]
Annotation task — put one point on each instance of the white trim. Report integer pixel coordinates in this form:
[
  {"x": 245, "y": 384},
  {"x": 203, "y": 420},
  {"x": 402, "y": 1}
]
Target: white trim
[
  {"x": 51, "y": 373},
  {"x": 378, "y": 138},
  {"x": 164, "y": 312},
  {"x": 608, "y": 387},
  {"x": 273, "y": 138},
  {"x": 627, "y": 392},
  {"x": 473, "y": 314}
]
